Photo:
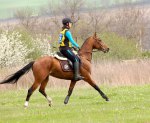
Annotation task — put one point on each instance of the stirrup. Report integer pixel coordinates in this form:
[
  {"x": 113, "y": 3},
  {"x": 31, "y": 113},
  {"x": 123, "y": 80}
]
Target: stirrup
[{"x": 78, "y": 78}]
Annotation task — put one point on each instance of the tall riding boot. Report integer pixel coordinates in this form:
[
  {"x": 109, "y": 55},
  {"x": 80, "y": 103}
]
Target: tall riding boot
[{"x": 77, "y": 77}]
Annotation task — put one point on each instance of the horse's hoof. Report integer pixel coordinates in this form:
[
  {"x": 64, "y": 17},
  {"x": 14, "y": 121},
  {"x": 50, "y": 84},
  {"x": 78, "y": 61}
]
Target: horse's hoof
[
  {"x": 50, "y": 104},
  {"x": 65, "y": 102},
  {"x": 107, "y": 99}
]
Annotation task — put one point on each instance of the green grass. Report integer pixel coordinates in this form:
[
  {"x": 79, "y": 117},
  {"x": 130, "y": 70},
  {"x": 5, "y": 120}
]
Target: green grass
[{"x": 127, "y": 105}]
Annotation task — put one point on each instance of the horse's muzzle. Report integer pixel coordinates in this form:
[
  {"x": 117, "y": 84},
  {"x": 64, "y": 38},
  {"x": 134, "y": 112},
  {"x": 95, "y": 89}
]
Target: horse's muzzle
[{"x": 106, "y": 50}]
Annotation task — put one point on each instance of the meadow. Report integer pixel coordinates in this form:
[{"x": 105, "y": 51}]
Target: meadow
[
  {"x": 128, "y": 104},
  {"x": 126, "y": 83}
]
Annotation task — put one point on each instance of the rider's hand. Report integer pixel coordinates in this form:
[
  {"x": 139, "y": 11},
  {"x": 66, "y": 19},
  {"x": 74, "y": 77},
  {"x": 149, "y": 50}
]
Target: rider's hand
[{"x": 76, "y": 49}]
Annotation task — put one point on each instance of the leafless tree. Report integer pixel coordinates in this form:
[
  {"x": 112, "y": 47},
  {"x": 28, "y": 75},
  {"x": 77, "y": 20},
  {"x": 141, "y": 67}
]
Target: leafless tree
[
  {"x": 98, "y": 17},
  {"x": 53, "y": 10},
  {"x": 26, "y": 18},
  {"x": 72, "y": 9},
  {"x": 98, "y": 20},
  {"x": 130, "y": 22},
  {"x": 66, "y": 8}
]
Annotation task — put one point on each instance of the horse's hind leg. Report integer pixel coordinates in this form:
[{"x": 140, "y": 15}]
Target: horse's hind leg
[
  {"x": 93, "y": 84},
  {"x": 30, "y": 91},
  {"x": 72, "y": 84},
  {"x": 42, "y": 90}
]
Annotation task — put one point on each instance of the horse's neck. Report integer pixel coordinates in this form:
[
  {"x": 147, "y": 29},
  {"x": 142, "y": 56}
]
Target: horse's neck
[{"x": 86, "y": 49}]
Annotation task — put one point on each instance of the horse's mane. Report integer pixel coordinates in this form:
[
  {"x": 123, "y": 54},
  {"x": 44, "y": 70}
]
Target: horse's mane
[{"x": 86, "y": 40}]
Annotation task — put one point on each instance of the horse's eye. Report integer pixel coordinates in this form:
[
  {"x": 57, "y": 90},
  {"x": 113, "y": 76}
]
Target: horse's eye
[{"x": 99, "y": 40}]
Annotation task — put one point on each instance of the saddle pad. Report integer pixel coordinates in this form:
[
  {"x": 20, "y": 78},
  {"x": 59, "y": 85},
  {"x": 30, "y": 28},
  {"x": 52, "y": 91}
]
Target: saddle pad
[
  {"x": 66, "y": 67},
  {"x": 59, "y": 56}
]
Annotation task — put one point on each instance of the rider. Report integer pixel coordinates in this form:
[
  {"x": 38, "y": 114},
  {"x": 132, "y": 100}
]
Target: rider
[{"x": 66, "y": 43}]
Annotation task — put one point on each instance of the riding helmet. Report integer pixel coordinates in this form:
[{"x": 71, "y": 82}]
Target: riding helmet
[{"x": 66, "y": 20}]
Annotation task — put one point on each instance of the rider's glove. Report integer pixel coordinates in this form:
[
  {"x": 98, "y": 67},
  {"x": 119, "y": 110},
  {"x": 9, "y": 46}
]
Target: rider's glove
[{"x": 75, "y": 48}]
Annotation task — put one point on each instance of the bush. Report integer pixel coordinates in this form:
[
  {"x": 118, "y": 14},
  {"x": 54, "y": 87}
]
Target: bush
[
  {"x": 39, "y": 44},
  {"x": 12, "y": 50},
  {"x": 20, "y": 47},
  {"x": 146, "y": 54},
  {"x": 120, "y": 48}
]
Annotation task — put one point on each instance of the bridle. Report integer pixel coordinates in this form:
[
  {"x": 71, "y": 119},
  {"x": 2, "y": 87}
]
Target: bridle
[{"x": 93, "y": 51}]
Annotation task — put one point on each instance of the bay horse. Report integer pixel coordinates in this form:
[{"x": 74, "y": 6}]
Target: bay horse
[{"x": 49, "y": 66}]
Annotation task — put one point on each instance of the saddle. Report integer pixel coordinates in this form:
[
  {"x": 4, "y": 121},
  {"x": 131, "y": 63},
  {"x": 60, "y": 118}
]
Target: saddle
[{"x": 65, "y": 63}]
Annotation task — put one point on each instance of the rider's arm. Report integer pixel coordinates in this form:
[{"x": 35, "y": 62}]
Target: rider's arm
[{"x": 69, "y": 36}]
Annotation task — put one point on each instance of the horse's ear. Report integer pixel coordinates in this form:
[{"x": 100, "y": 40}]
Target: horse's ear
[{"x": 95, "y": 35}]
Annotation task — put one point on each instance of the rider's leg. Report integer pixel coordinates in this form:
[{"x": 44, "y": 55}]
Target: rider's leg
[
  {"x": 76, "y": 71},
  {"x": 75, "y": 60}
]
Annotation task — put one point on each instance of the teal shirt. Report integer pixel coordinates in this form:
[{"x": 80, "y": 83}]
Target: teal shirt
[{"x": 69, "y": 36}]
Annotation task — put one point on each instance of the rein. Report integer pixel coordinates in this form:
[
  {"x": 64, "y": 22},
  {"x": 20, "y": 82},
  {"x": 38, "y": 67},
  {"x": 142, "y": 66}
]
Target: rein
[{"x": 89, "y": 53}]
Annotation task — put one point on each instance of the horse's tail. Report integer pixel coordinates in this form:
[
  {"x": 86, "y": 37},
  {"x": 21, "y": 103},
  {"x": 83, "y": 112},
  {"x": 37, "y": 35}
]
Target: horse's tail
[{"x": 14, "y": 77}]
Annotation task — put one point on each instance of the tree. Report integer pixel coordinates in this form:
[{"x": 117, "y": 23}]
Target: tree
[
  {"x": 130, "y": 22},
  {"x": 66, "y": 8},
  {"x": 26, "y": 18}
]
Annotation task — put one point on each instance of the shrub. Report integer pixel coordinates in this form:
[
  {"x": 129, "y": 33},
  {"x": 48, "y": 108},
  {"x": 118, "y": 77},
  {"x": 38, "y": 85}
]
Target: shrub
[
  {"x": 38, "y": 43},
  {"x": 12, "y": 50},
  {"x": 20, "y": 47},
  {"x": 146, "y": 54},
  {"x": 120, "y": 48}
]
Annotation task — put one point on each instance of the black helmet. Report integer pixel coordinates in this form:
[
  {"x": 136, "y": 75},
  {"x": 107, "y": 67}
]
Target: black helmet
[{"x": 66, "y": 20}]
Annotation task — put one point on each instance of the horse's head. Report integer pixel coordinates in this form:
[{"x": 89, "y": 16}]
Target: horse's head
[{"x": 99, "y": 44}]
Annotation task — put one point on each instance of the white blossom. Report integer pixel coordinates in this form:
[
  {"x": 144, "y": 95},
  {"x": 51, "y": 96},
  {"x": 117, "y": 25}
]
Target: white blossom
[
  {"x": 12, "y": 50},
  {"x": 43, "y": 45}
]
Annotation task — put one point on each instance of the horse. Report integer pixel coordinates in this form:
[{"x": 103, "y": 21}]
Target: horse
[{"x": 47, "y": 66}]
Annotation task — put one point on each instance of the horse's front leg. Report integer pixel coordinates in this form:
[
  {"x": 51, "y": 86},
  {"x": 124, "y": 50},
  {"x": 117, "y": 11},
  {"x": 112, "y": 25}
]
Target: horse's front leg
[
  {"x": 72, "y": 84},
  {"x": 93, "y": 84}
]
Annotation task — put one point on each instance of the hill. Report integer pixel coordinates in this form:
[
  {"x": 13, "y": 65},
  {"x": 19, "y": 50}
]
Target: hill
[{"x": 8, "y": 7}]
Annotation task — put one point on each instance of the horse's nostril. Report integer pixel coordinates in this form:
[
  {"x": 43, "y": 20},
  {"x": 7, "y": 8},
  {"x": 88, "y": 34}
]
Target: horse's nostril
[{"x": 107, "y": 49}]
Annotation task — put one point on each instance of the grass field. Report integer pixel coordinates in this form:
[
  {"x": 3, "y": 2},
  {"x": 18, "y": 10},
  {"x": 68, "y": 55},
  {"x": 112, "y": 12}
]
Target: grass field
[{"x": 128, "y": 104}]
